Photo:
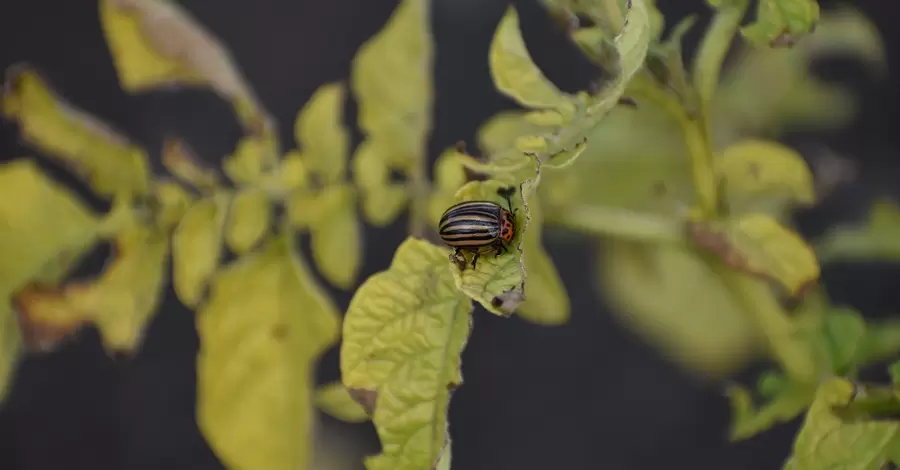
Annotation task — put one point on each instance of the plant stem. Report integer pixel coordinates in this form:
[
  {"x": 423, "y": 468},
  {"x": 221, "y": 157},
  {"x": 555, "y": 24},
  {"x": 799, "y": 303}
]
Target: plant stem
[
  {"x": 794, "y": 355},
  {"x": 620, "y": 223},
  {"x": 714, "y": 46}
]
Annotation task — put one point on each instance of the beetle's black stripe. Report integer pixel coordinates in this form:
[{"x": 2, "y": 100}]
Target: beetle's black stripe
[{"x": 471, "y": 224}]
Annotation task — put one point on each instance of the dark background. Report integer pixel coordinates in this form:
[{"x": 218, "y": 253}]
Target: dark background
[{"x": 587, "y": 395}]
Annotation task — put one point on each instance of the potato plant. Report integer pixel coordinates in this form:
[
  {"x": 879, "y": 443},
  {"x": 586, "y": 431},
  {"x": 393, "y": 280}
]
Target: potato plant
[{"x": 671, "y": 166}]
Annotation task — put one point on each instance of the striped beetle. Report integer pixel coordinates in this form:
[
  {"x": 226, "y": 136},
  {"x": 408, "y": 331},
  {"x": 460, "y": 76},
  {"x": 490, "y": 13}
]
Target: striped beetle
[{"x": 474, "y": 225}]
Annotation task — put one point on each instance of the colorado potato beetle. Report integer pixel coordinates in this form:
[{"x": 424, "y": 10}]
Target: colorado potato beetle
[{"x": 478, "y": 227}]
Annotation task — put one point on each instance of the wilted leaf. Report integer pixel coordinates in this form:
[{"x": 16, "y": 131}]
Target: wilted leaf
[
  {"x": 42, "y": 223},
  {"x": 392, "y": 80},
  {"x": 156, "y": 43},
  {"x": 46, "y": 317},
  {"x": 380, "y": 199},
  {"x": 187, "y": 166},
  {"x": 108, "y": 161},
  {"x": 10, "y": 349},
  {"x": 514, "y": 72},
  {"x": 826, "y": 441},
  {"x": 546, "y": 300},
  {"x": 762, "y": 176},
  {"x": 335, "y": 400},
  {"x": 759, "y": 245},
  {"x": 248, "y": 220},
  {"x": 319, "y": 130},
  {"x": 197, "y": 245},
  {"x": 781, "y": 23},
  {"x": 403, "y": 335},
  {"x": 878, "y": 239},
  {"x": 670, "y": 297},
  {"x": 497, "y": 282},
  {"x": 335, "y": 236},
  {"x": 265, "y": 324},
  {"x": 749, "y": 420}
]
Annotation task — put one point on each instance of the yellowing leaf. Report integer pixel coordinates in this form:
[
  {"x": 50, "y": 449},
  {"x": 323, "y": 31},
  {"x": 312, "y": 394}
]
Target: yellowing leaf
[
  {"x": 546, "y": 301},
  {"x": 515, "y": 74},
  {"x": 320, "y": 131},
  {"x": 42, "y": 223},
  {"x": 780, "y": 23},
  {"x": 335, "y": 400},
  {"x": 759, "y": 175},
  {"x": 304, "y": 208},
  {"x": 173, "y": 200},
  {"x": 155, "y": 43},
  {"x": 392, "y": 80},
  {"x": 449, "y": 176},
  {"x": 671, "y": 298},
  {"x": 10, "y": 349},
  {"x": 381, "y": 200},
  {"x": 758, "y": 244},
  {"x": 335, "y": 239},
  {"x": 877, "y": 239},
  {"x": 248, "y": 220},
  {"x": 108, "y": 161},
  {"x": 185, "y": 165},
  {"x": 826, "y": 441},
  {"x": 126, "y": 295},
  {"x": 403, "y": 335},
  {"x": 498, "y": 280},
  {"x": 249, "y": 162},
  {"x": 265, "y": 324},
  {"x": 197, "y": 246},
  {"x": 294, "y": 172}
]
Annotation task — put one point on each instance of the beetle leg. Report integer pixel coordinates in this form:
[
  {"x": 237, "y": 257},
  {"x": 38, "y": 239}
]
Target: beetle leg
[
  {"x": 507, "y": 193},
  {"x": 475, "y": 259},
  {"x": 459, "y": 258}
]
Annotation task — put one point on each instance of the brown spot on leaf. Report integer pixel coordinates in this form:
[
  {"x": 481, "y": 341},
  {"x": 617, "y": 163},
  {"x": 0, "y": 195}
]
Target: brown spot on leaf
[
  {"x": 509, "y": 301},
  {"x": 280, "y": 332},
  {"x": 628, "y": 101},
  {"x": 753, "y": 169},
  {"x": 45, "y": 318},
  {"x": 785, "y": 39},
  {"x": 366, "y": 398},
  {"x": 717, "y": 243},
  {"x": 659, "y": 188}
]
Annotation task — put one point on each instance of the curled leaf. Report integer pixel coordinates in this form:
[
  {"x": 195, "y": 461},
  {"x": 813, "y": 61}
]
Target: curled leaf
[
  {"x": 46, "y": 317},
  {"x": 336, "y": 400},
  {"x": 319, "y": 129},
  {"x": 546, "y": 300},
  {"x": 197, "y": 245},
  {"x": 248, "y": 220},
  {"x": 780, "y": 23},
  {"x": 758, "y": 244},
  {"x": 44, "y": 225},
  {"x": 403, "y": 335},
  {"x": 106, "y": 159},
  {"x": 759, "y": 176},
  {"x": 335, "y": 236},
  {"x": 514, "y": 72},
  {"x": 498, "y": 280},
  {"x": 254, "y": 371},
  {"x": 392, "y": 80},
  {"x": 187, "y": 166}
]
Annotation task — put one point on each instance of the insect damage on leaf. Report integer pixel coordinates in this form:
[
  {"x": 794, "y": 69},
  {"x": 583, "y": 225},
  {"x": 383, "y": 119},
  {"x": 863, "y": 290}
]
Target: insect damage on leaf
[
  {"x": 758, "y": 244},
  {"x": 107, "y": 160},
  {"x": 497, "y": 281},
  {"x": 403, "y": 335},
  {"x": 254, "y": 372}
]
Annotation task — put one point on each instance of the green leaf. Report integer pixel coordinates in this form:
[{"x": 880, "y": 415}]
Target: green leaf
[
  {"x": 672, "y": 299},
  {"x": 763, "y": 176},
  {"x": 335, "y": 400},
  {"x": 497, "y": 282},
  {"x": 44, "y": 225},
  {"x": 877, "y": 239},
  {"x": 844, "y": 331},
  {"x": 403, "y": 335},
  {"x": 10, "y": 349},
  {"x": 197, "y": 245},
  {"x": 249, "y": 218},
  {"x": 748, "y": 420},
  {"x": 759, "y": 245},
  {"x": 827, "y": 441},
  {"x": 392, "y": 80},
  {"x": 335, "y": 237},
  {"x": 514, "y": 72},
  {"x": 319, "y": 130},
  {"x": 780, "y": 23},
  {"x": 254, "y": 372},
  {"x": 546, "y": 300},
  {"x": 381, "y": 200},
  {"x": 104, "y": 158}
]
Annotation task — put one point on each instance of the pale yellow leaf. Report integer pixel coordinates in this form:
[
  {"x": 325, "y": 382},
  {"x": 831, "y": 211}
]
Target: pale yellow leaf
[
  {"x": 335, "y": 237},
  {"x": 335, "y": 400},
  {"x": 197, "y": 245},
  {"x": 248, "y": 220},
  {"x": 546, "y": 300},
  {"x": 319, "y": 131}
]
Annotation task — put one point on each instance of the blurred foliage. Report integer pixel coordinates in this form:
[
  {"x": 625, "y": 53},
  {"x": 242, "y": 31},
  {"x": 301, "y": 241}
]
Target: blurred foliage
[{"x": 669, "y": 168}]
